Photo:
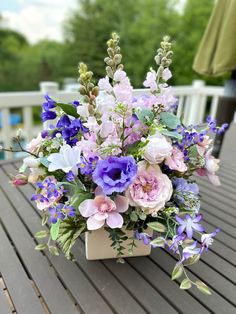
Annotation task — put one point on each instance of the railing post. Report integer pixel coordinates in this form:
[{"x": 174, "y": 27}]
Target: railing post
[
  {"x": 6, "y": 131},
  {"x": 50, "y": 88},
  {"x": 195, "y": 107}
]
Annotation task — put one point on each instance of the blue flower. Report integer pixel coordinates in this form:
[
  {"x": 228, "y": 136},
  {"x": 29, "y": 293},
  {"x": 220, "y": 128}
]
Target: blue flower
[
  {"x": 189, "y": 224},
  {"x": 55, "y": 214},
  {"x": 115, "y": 174},
  {"x": 87, "y": 167},
  {"x": 207, "y": 239}
]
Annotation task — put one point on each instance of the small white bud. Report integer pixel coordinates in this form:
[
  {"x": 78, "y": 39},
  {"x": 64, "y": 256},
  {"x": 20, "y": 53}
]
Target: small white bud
[
  {"x": 19, "y": 133},
  {"x": 40, "y": 154},
  {"x": 58, "y": 135}
]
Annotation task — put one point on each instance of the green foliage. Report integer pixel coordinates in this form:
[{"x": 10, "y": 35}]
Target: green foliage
[
  {"x": 54, "y": 230},
  {"x": 68, "y": 109},
  {"x": 169, "y": 119},
  {"x": 157, "y": 226},
  {"x": 177, "y": 271},
  {"x": 117, "y": 237},
  {"x": 69, "y": 231},
  {"x": 41, "y": 234},
  {"x": 185, "y": 284},
  {"x": 203, "y": 287}
]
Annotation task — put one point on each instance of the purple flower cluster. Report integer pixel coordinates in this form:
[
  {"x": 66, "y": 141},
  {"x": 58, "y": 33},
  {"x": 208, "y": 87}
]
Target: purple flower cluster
[
  {"x": 186, "y": 194},
  {"x": 142, "y": 236},
  {"x": 87, "y": 167},
  {"x": 212, "y": 125},
  {"x": 61, "y": 211},
  {"x": 115, "y": 174},
  {"x": 69, "y": 128},
  {"x": 47, "y": 114}
]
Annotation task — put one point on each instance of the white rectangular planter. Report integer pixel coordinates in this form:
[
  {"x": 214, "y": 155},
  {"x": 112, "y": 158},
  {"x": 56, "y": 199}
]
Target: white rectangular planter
[{"x": 98, "y": 245}]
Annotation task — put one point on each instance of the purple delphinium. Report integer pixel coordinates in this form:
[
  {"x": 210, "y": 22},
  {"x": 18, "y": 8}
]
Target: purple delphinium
[
  {"x": 186, "y": 194},
  {"x": 87, "y": 167},
  {"x": 207, "y": 239},
  {"x": 47, "y": 114},
  {"x": 115, "y": 174},
  {"x": 69, "y": 128},
  {"x": 189, "y": 224}
]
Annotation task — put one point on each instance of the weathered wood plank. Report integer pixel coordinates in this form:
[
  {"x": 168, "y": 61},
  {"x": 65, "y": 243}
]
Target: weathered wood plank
[
  {"x": 109, "y": 289},
  {"x": 18, "y": 284},
  {"x": 4, "y": 306},
  {"x": 43, "y": 275},
  {"x": 183, "y": 301},
  {"x": 216, "y": 303}
]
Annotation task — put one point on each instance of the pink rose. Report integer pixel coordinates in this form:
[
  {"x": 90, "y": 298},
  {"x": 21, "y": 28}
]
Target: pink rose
[
  {"x": 150, "y": 190},
  {"x": 157, "y": 149},
  {"x": 34, "y": 145},
  {"x": 102, "y": 209},
  {"x": 202, "y": 146},
  {"x": 176, "y": 161}
]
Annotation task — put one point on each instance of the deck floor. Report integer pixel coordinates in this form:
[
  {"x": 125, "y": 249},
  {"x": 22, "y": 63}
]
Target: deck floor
[{"x": 33, "y": 282}]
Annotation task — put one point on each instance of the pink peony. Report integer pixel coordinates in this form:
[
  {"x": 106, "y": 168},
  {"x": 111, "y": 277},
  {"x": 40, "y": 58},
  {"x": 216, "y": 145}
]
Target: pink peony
[
  {"x": 157, "y": 149},
  {"x": 150, "y": 190},
  {"x": 176, "y": 161},
  {"x": 102, "y": 209}
]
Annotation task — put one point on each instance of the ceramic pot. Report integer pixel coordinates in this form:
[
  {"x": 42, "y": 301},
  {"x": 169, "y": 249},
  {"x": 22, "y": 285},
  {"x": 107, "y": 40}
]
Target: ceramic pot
[{"x": 98, "y": 245}]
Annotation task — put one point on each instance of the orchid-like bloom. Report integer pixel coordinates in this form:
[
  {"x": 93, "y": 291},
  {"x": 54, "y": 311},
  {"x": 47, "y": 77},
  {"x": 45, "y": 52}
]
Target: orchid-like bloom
[
  {"x": 66, "y": 159},
  {"x": 207, "y": 239},
  {"x": 189, "y": 224},
  {"x": 103, "y": 209}
]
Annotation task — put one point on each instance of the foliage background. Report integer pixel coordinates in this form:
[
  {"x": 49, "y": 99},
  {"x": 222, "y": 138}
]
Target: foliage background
[{"x": 141, "y": 25}]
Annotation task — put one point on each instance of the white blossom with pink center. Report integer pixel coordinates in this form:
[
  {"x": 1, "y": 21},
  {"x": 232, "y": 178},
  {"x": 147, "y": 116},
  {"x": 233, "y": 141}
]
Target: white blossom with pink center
[
  {"x": 150, "y": 190},
  {"x": 102, "y": 209},
  {"x": 176, "y": 161}
]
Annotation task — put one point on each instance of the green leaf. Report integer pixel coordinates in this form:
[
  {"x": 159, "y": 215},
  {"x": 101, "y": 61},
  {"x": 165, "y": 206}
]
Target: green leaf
[
  {"x": 68, "y": 109},
  {"x": 160, "y": 242},
  {"x": 54, "y": 230},
  {"x": 22, "y": 168},
  {"x": 79, "y": 198},
  {"x": 44, "y": 219},
  {"x": 193, "y": 259},
  {"x": 41, "y": 234},
  {"x": 41, "y": 246},
  {"x": 53, "y": 250},
  {"x": 145, "y": 115},
  {"x": 203, "y": 287},
  {"x": 133, "y": 216},
  {"x": 169, "y": 120},
  {"x": 177, "y": 271},
  {"x": 44, "y": 161},
  {"x": 157, "y": 226},
  {"x": 185, "y": 284},
  {"x": 171, "y": 134},
  {"x": 68, "y": 233}
]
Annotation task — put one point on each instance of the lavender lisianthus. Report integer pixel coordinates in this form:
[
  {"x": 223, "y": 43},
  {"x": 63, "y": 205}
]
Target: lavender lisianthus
[{"x": 115, "y": 174}]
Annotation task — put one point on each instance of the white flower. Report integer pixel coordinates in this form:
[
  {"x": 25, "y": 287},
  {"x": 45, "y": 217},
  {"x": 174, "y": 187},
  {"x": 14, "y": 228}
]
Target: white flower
[
  {"x": 66, "y": 160},
  {"x": 157, "y": 149},
  {"x": 104, "y": 84},
  {"x": 92, "y": 124},
  {"x": 31, "y": 162},
  {"x": 83, "y": 110},
  {"x": 166, "y": 74}
]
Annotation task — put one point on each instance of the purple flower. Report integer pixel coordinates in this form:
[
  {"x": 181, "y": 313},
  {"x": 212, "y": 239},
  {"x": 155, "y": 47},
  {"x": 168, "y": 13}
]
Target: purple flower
[
  {"x": 55, "y": 213},
  {"x": 223, "y": 128},
  {"x": 146, "y": 238},
  {"x": 115, "y": 174},
  {"x": 69, "y": 211},
  {"x": 190, "y": 250},
  {"x": 189, "y": 224},
  {"x": 87, "y": 167},
  {"x": 48, "y": 114},
  {"x": 207, "y": 239},
  {"x": 70, "y": 176}
]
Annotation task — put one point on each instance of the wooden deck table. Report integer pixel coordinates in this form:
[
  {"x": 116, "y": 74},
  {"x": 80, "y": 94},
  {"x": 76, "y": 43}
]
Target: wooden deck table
[{"x": 35, "y": 282}]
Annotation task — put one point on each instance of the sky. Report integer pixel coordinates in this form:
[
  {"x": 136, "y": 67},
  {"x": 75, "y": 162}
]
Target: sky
[{"x": 37, "y": 19}]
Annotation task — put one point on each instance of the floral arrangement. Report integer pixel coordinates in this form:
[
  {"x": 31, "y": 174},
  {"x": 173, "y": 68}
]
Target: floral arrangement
[{"x": 120, "y": 162}]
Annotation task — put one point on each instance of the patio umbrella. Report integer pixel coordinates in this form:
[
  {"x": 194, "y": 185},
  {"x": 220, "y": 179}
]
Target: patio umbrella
[{"x": 217, "y": 51}]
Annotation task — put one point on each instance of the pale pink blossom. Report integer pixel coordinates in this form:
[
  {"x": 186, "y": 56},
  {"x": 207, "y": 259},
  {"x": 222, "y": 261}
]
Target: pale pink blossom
[
  {"x": 102, "y": 209},
  {"x": 144, "y": 101},
  {"x": 107, "y": 127},
  {"x": 203, "y": 146},
  {"x": 83, "y": 110},
  {"x": 105, "y": 103},
  {"x": 122, "y": 89},
  {"x": 166, "y": 74},
  {"x": 211, "y": 167},
  {"x": 150, "y": 81},
  {"x": 150, "y": 190},
  {"x": 157, "y": 149},
  {"x": 92, "y": 124},
  {"x": 35, "y": 174},
  {"x": 166, "y": 96},
  {"x": 176, "y": 160},
  {"x": 111, "y": 146},
  {"x": 88, "y": 146},
  {"x": 34, "y": 145},
  {"x": 105, "y": 85},
  {"x": 120, "y": 76}
]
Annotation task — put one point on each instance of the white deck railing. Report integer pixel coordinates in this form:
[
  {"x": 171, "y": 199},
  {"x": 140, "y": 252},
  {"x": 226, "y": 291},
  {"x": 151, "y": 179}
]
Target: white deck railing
[{"x": 195, "y": 102}]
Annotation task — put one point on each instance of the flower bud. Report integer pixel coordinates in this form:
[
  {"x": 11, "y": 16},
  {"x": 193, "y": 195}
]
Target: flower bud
[
  {"x": 19, "y": 179},
  {"x": 117, "y": 58},
  {"x": 82, "y": 90}
]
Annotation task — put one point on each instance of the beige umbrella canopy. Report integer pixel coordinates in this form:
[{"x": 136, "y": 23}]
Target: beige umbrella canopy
[{"x": 217, "y": 51}]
